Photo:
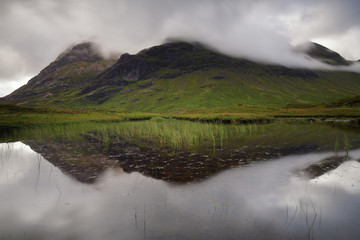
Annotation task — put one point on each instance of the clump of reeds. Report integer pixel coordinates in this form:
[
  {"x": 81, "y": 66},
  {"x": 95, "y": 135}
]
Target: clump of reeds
[{"x": 175, "y": 134}]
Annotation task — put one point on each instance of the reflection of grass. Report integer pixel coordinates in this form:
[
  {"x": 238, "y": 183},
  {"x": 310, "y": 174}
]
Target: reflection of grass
[
  {"x": 346, "y": 145},
  {"x": 6, "y": 149},
  {"x": 336, "y": 144},
  {"x": 179, "y": 134}
]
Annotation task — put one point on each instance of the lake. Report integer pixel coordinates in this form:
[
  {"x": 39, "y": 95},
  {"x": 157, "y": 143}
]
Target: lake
[{"x": 273, "y": 181}]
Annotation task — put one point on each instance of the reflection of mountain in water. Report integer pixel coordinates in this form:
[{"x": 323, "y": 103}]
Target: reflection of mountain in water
[
  {"x": 89, "y": 152},
  {"x": 86, "y": 159},
  {"x": 80, "y": 160}
]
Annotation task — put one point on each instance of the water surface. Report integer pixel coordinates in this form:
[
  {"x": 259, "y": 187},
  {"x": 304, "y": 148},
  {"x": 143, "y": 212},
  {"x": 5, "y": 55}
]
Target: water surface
[{"x": 261, "y": 189}]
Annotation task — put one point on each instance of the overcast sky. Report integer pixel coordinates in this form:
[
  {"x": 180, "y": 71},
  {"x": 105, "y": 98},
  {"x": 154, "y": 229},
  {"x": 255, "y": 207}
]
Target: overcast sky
[{"x": 34, "y": 32}]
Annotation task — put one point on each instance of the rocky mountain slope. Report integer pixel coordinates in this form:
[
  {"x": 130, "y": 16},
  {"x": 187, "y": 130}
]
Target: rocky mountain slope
[{"x": 180, "y": 75}]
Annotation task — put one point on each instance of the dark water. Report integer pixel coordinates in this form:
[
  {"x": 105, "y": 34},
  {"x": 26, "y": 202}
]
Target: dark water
[{"x": 261, "y": 189}]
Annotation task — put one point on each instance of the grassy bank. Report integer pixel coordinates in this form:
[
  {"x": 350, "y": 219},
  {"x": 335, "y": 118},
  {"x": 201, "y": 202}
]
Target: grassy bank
[{"x": 19, "y": 117}]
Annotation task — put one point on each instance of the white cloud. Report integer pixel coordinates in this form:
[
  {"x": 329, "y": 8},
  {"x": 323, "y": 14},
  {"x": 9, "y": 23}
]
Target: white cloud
[
  {"x": 34, "y": 32},
  {"x": 346, "y": 44},
  {"x": 8, "y": 86},
  {"x": 10, "y": 62}
]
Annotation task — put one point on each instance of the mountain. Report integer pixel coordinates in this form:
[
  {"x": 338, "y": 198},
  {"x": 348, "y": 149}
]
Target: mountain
[
  {"x": 180, "y": 75},
  {"x": 72, "y": 68},
  {"x": 321, "y": 53}
]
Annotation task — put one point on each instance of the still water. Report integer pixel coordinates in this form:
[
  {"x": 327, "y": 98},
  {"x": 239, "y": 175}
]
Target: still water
[{"x": 275, "y": 198}]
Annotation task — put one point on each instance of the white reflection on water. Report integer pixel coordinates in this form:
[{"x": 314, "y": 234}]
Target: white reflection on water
[{"x": 266, "y": 200}]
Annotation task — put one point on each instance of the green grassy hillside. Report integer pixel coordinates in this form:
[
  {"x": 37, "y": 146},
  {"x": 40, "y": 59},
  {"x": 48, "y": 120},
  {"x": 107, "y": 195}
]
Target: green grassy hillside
[{"x": 221, "y": 88}]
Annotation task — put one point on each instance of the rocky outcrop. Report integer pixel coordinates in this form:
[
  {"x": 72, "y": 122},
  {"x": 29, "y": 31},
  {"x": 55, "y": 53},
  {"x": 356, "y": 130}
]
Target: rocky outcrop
[{"x": 178, "y": 57}]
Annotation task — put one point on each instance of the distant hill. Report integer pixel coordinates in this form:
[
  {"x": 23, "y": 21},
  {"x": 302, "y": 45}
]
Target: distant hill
[{"x": 180, "y": 75}]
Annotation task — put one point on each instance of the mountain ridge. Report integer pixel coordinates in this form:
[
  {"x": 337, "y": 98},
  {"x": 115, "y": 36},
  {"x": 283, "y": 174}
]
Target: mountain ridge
[{"x": 178, "y": 75}]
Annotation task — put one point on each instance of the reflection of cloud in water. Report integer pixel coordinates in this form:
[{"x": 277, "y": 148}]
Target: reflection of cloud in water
[
  {"x": 15, "y": 160},
  {"x": 346, "y": 177},
  {"x": 264, "y": 199}
]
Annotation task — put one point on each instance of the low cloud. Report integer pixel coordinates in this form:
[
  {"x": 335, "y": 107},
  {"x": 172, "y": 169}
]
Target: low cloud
[
  {"x": 8, "y": 86},
  {"x": 35, "y": 32},
  {"x": 355, "y": 67}
]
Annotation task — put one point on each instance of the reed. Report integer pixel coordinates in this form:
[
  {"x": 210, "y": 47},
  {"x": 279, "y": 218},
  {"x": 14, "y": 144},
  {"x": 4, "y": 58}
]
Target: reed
[{"x": 176, "y": 134}]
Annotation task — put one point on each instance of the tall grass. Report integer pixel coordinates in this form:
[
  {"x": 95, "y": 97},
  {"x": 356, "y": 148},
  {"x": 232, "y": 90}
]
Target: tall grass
[
  {"x": 346, "y": 145},
  {"x": 176, "y": 134},
  {"x": 171, "y": 133}
]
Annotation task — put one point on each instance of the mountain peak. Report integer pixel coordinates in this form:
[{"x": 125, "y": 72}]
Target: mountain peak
[
  {"x": 181, "y": 57},
  {"x": 169, "y": 47},
  {"x": 74, "y": 67},
  {"x": 86, "y": 52},
  {"x": 323, "y": 54},
  {"x": 83, "y": 52}
]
